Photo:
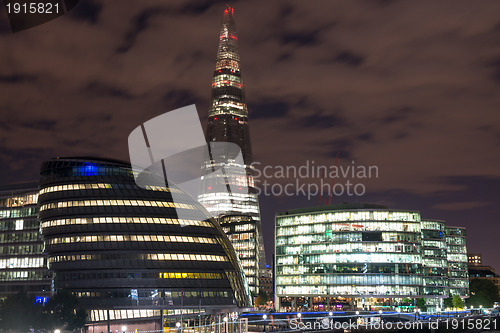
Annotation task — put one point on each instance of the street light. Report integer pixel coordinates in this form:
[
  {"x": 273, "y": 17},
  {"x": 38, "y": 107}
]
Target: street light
[
  {"x": 330, "y": 313},
  {"x": 398, "y": 310},
  {"x": 264, "y": 317},
  {"x": 299, "y": 315},
  {"x": 57, "y": 331},
  {"x": 124, "y": 328}
]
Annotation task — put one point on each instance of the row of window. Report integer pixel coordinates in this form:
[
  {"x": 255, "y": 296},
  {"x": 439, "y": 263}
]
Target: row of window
[
  {"x": 348, "y": 258},
  {"x": 247, "y": 236},
  {"x": 347, "y": 290},
  {"x": 138, "y": 275},
  {"x": 99, "y": 186},
  {"x": 22, "y": 263},
  {"x": 355, "y": 226},
  {"x": 147, "y": 256},
  {"x": 18, "y": 201},
  {"x": 114, "y": 219},
  {"x": 343, "y": 216},
  {"x": 191, "y": 276},
  {"x": 349, "y": 247},
  {"x": 30, "y": 275},
  {"x": 92, "y": 203},
  {"x": 131, "y": 238},
  {"x": 102, "y": 315},
  {"x": 18, "y": 212},
  {"x": 355, "y": 268},
  {"x": 300, "y": 237},
  {"x": 21, "y": 249},
  {"x": 19, "y": 224},
  {"x": 371, "y": 279},
  {"x": 20, "y": 237},
  {"x": 152, "y": 294}
]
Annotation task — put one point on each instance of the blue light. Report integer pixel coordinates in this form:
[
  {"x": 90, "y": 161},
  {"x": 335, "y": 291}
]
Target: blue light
[
  {"x": 88, "y": 169},
  {"x": 41, "y": 300}
]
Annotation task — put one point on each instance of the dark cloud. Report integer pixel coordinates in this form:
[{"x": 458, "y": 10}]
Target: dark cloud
[
  {"x": 176, "y": 98},
  {"x": 301, "y": 38},
  {"x": 398, "y": 115},
  {"x": 268, "y": 109},
  {"x": 365, "y": 137},
  {"x": 87, "y": 10},
  {"x": 349, "y": 58},
  {"x": 17, "y": 78},
  {"x": 105, "y": 89},
  {"x": 321, "y": 120},
  {"x": 139, "y": 24},
  {"x": 42, "y": 124}
]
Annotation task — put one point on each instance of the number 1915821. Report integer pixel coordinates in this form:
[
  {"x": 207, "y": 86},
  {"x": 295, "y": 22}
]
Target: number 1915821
[{"x": 33, "y": 8}]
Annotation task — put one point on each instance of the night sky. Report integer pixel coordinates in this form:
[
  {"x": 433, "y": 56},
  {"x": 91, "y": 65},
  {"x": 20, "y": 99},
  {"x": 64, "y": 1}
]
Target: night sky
[{"x": 410, "y": 87}]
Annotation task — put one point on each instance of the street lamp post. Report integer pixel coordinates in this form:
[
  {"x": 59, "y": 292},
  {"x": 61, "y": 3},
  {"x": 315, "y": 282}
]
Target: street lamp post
[
  {"x": 398, "y": 310},
  {"x": 264, "y": 317}
]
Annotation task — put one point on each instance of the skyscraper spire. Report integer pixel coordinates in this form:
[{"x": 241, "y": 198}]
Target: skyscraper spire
[{"x": 237, "y": 211}]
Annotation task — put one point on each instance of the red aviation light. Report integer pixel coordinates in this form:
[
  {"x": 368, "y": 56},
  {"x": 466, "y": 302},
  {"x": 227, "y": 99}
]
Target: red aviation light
[
  {"x": 215, "y": 118},
  {"x": 235, "y": 118}
]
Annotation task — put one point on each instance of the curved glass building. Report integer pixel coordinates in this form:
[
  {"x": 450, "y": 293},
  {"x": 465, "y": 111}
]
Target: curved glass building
[
  {"x": 358, "y": 256},
  {"x": 124, "y": 253}
]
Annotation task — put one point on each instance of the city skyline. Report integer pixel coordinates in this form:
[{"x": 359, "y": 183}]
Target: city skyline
[{"x": 409, "y": 88}]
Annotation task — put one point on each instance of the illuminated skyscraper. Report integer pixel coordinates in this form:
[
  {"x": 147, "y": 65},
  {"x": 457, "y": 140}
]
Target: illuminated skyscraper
[{"x": 231, "y": 196}]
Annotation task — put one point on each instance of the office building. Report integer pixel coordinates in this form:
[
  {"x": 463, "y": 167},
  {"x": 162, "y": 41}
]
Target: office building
[
  {"x": 366, "y": 257},
  {"x": 458, "y": 277},
  {"x": 23, "y": 266},
  {"x": 237, "y": 211},
  {"x": 475, "y": 259},
  {"x": 124, "y": 253},
  {"x": 477, "y": 270}
]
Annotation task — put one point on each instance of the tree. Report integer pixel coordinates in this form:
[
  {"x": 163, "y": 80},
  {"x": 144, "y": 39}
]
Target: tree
[
  {"x": 448, "y": 302},
  {"x": 482, "y": 292},
  {"x": 19, "y": 313},
  {"x": 64, "y": 312},
  {"x": 421, "y": 304},
  {"x": 457, "y": 302},
  {"x": 262, "y": 299}
]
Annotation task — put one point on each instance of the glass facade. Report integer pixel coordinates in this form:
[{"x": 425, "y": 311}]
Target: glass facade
[
  {"x": 228, "y": 122},
  {"x": 367, "y": 254},
  {"x": 458, "y": 275},
  {"x": 23, "y": 267},
  {"x": 120, "y": 247}
]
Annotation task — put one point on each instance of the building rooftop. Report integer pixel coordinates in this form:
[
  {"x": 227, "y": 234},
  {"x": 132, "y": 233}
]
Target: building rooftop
[{"x": 345, "y": 206}]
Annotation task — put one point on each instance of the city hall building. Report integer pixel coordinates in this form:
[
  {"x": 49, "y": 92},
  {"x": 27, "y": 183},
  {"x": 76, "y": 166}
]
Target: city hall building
[
  {"x": 366, "y": 256},
  {"x": 123, "y": 251}
]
